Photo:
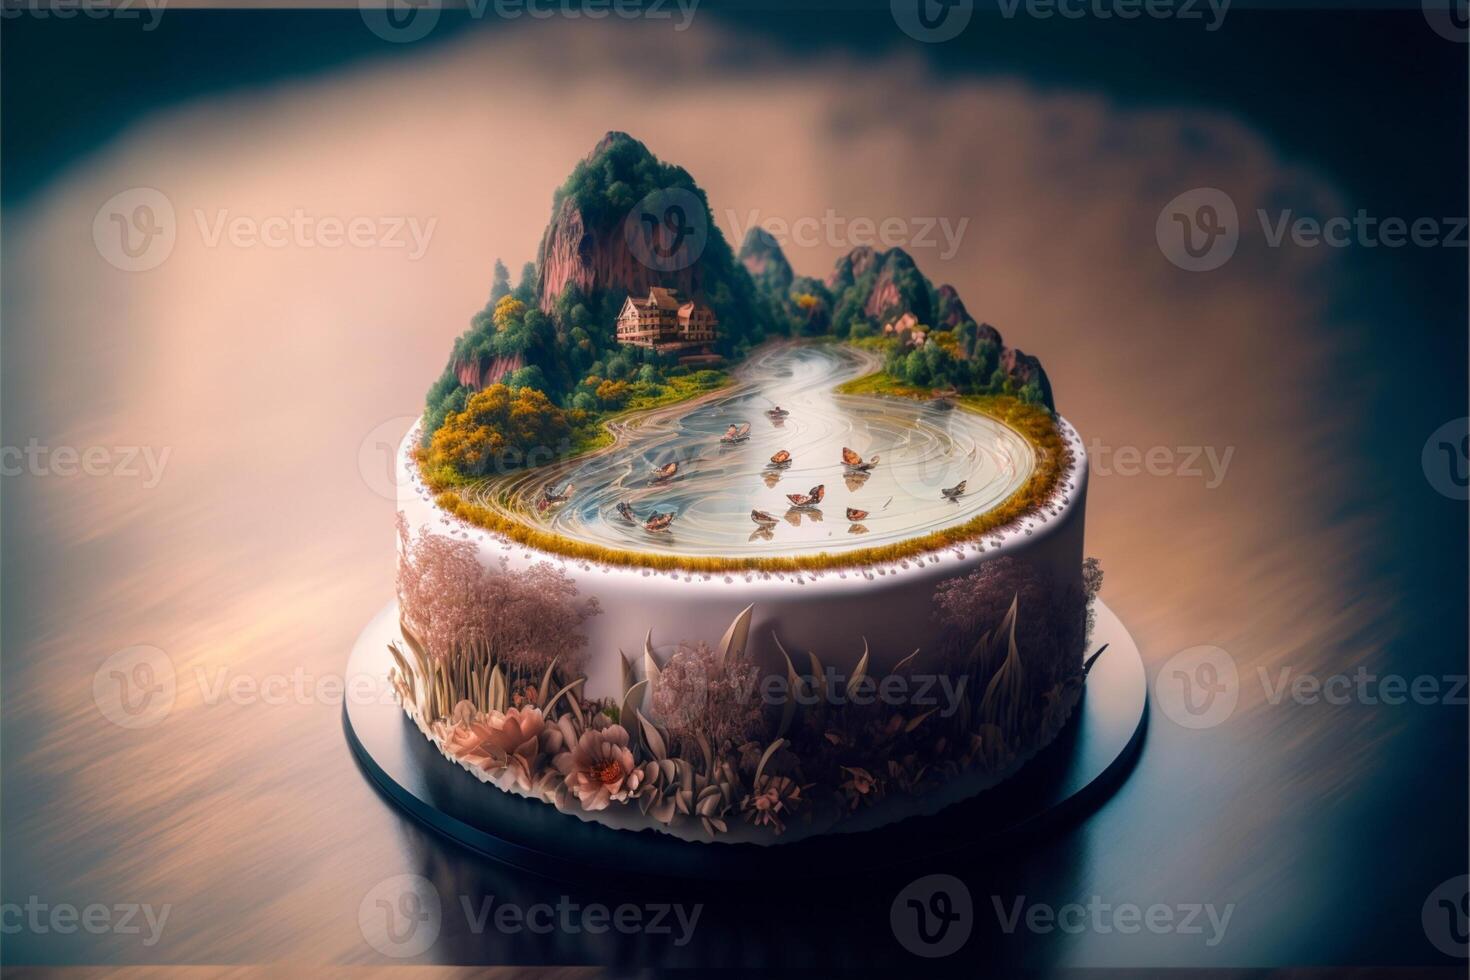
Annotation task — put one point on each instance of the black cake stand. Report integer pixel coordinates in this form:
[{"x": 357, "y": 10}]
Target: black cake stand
[{"x": 1060, "y": 785}]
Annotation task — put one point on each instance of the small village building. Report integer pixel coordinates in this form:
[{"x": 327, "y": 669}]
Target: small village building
[{"x": 665, "y": 322}]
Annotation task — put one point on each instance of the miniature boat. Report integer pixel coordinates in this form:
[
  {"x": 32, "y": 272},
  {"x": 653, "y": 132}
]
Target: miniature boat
[
  {"x": 736, "y": 433},
  {"x": 782, "y": 458},
  {"x": 855, "y": 515},
  {"x": 856, "y": 463},
  {"x": 665, "y": 472},
  {"x": 659, "y": 522},
  {"x": 809, "y": 499},
  {"x": 954, "y": 492},
  {"x": 762, "y": 518}
]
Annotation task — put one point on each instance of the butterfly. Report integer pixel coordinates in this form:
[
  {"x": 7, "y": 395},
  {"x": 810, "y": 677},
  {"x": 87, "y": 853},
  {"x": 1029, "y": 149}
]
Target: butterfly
[
  {"x": 659, "y": 522},
  {"x": 625, "y": 511},
  {"x": 954, "y": 492},
  {"x": 809, "y": 499},
  {"x": 665, "y": 472},
  {"x": 853, "y": 514},
  {"x": 762, "y": 518},
  {"x": 550, "y": 496},
  {"x": 855, "y": 462},
  {"x": 736, "y": 433},
  {"x": 782, "y": 458}
]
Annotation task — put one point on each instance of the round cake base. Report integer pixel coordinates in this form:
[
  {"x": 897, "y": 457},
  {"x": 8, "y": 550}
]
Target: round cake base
[{"x": 1061, "y": 784}]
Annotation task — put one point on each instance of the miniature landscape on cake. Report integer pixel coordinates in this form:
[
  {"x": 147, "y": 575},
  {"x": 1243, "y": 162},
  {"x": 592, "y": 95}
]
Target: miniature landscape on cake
[
  {"x": 622, "y": 404},
  {"x": 646, "y": 400}
]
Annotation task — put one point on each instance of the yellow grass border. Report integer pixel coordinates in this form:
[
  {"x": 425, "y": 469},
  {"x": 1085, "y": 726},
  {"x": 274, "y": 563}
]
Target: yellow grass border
[{"x": 1037, "y": 426}]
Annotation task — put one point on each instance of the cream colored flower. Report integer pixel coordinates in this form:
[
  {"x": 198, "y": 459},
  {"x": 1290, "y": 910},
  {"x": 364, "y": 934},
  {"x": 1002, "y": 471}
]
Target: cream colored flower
[{"x": 599, "y": 770}]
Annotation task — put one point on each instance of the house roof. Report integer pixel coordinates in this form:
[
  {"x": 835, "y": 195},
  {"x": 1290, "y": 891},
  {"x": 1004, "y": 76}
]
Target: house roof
[{"x": 666, "y": 299}]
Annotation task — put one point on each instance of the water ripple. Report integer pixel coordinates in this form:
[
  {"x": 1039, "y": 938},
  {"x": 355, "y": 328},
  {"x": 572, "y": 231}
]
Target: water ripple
[{"x": 922, "y": 447}]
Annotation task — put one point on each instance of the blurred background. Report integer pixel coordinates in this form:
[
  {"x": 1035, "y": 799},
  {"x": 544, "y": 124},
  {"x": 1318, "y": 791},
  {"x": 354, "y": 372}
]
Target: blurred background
[{"x": 230, "y": 404}]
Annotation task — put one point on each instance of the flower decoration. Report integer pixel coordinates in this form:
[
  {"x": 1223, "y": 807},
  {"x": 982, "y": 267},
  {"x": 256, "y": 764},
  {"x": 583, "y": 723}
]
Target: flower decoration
[{"x": 600, "y": 769}]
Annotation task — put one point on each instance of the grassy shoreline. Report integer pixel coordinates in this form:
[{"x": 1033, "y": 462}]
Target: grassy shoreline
[{"x": 1037, "y": 426}]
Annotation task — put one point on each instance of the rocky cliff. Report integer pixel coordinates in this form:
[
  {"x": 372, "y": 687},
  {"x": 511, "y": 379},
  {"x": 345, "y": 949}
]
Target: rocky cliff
[
  {"x": 624, "y": 221},
  {"x": 595, "y": 259},
  {"x": 890, "y": 283},
  {"x": 762, "y": 257}
]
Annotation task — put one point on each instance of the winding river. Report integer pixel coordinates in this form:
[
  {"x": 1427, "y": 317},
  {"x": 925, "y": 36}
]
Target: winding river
[{"x": 922, "y": 447}]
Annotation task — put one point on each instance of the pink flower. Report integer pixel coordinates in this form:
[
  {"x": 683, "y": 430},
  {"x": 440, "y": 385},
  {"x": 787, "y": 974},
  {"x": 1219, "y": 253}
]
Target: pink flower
[
  {"x": 861, "y": 786},
  {"x": 499, "y": 741},
  {"x": 773, "y": 797},
  {"x": 600, "y": 768}
]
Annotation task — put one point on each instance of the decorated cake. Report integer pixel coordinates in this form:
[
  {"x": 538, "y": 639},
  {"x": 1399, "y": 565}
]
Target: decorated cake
[{"x": 690, "y": 543}]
